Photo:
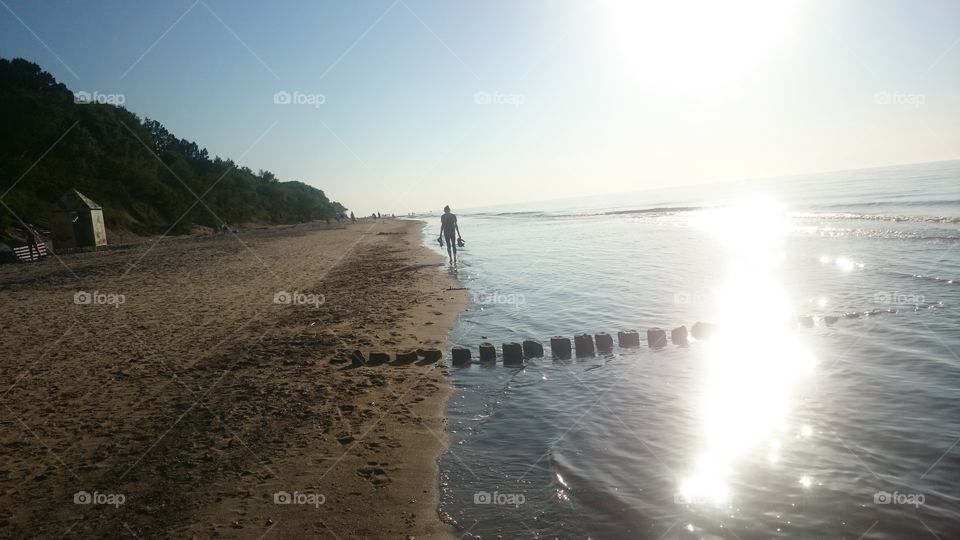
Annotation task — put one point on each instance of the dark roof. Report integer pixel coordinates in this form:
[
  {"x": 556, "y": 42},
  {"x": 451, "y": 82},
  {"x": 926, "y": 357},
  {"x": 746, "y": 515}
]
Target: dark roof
[{"x": 73, "y": 200}]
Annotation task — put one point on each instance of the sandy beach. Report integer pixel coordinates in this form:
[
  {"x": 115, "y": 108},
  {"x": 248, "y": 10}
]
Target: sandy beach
[{"x": 203, "y": 387}]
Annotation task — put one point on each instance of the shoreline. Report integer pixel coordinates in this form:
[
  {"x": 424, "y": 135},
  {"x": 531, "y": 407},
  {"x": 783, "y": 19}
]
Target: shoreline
[{"x": 199, "y": 399}]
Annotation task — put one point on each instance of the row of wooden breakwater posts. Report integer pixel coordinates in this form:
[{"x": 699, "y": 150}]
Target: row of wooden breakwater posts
[
  {"x": 585, "y": 345},
  {"x": 514, "y": 353}
]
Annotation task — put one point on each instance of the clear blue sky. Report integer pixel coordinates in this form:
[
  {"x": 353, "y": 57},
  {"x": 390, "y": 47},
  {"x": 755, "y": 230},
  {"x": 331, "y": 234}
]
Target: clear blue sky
[{"x": 587, "y": 97}]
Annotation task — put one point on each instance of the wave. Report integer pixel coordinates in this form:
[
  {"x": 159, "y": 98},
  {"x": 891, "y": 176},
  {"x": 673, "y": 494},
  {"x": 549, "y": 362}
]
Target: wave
[
  {"x": 932, "y": 234},
  {"x": 527, "y": 213},
  {"x": 835, "y": 216},
  {"x": 666, "y": 210},
  {"x": 874, "y": 204},
  {"x": 657, "y": 210}
]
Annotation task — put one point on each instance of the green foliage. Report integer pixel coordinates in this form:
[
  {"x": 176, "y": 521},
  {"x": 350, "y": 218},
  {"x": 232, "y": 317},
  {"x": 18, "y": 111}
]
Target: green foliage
[{"x": 147, "y": 180}]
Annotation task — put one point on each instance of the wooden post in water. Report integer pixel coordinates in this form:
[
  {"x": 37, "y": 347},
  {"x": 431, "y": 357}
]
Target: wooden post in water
[
  {"x": 512, "y": 354},
  {"x": 679, "y": 336},
  {"x": 488, "y": 353},
  {"x": 560, "y": 346},
  {"x": 604, "y": 342},
  {"x": 628, "y": 338},
  {"x": 656, "y": 338},
  {"x": 584, "y": 345},
  {"x": 460, "y": 355},
  {"x": 702, "y": 330},
  {"x": 532, "y": 348}
]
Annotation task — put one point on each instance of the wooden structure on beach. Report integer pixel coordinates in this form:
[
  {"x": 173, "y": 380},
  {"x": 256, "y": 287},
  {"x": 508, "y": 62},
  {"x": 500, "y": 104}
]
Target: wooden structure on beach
[
  {"x": 30, "y": 252},
  {"x": 76, "y": 221}
]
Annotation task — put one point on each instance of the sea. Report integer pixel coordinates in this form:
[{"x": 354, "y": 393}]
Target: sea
[{"x": 825, "y": 403}]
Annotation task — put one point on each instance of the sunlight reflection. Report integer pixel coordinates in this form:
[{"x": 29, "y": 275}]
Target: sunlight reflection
[
  {"x": 845, "y": 264},
  {"x": 754, "y": 359}
]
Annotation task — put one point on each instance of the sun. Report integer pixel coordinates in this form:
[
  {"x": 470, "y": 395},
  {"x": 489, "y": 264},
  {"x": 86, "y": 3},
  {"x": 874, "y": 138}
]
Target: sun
[{"x": 696, "y": 45}]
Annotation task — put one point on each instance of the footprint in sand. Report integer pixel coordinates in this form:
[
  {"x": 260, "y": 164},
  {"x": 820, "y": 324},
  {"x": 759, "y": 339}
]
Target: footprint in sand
[{"x": 376, "y": 475}]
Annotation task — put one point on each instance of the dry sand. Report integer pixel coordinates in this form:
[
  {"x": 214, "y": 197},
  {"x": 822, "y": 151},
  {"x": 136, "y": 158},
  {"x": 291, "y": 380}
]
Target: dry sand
[{"x": 199, "y": 398}]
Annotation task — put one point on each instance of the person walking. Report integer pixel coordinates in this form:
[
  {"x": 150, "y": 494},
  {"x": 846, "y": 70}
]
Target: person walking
[{"x": 449, "y": 228}]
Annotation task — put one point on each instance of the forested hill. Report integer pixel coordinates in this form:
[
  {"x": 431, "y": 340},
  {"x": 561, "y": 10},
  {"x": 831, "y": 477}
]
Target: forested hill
[{"x": 138, "y": 171}]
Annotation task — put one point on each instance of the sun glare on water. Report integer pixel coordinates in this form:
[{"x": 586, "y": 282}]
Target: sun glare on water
[
  {"x": 754, "y": 360},
  {"x": 696, "y": 45}
]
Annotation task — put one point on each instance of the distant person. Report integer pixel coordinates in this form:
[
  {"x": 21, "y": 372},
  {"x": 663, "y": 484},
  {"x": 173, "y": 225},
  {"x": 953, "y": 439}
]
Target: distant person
[
  {"x": 33, "y": 240},
  {"x": 353, "y": 218},
  {"x": 378, "y": 215},
  {"x": 449, "y": 228}
]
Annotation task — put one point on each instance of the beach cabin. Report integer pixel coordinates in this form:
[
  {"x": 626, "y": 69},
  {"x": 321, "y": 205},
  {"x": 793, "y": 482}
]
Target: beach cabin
[{"x": 76, "y": 221}]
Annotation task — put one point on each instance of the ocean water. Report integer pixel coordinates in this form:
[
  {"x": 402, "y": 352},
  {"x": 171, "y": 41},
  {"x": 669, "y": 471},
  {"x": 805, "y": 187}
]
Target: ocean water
[{"x": 770, "y": 429}]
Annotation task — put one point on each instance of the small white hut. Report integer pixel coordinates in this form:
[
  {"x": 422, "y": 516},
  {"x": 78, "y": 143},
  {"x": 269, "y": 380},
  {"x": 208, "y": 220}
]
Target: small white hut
[{"x": 76, "y": 221}]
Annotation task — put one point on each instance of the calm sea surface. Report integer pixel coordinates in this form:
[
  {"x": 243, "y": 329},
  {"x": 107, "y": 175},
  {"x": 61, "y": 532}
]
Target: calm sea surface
[{"x": 770, "y": 429}]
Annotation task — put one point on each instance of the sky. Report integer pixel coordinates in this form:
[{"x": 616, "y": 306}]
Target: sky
[{"x": 406, "y": 105}]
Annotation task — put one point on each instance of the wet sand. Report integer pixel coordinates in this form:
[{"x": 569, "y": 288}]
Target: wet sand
[{"x": 195, "y": 405}]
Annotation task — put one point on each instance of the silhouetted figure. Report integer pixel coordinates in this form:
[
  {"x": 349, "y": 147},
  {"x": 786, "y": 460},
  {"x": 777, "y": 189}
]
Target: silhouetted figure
[
  {"x": 450, "y": 231},
  {"x": 33, "y": 240},
  {"x": 353, "y": 219}
]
